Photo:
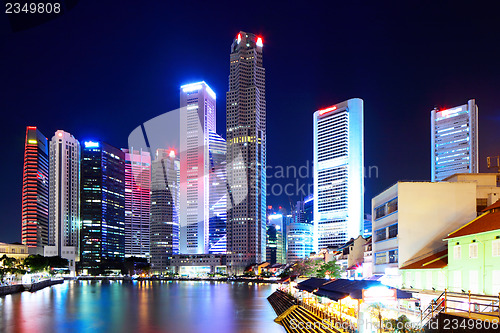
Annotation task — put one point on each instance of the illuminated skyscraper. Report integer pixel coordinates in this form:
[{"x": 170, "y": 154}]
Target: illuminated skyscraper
[
  {"x": 35, "y": 195},
  {"x": 246, "y": 153},
  {"x": 338, "y": 173},
  {"x": 454, "y": 141},
  {"x": 217, "y": 193},
  {"x": 164, "y": 225},
  {"x": 64, "y": 198},
  {"x": 197, "y": 120},
  {"x": 137, "y": 202},
  {"x": 102, "y": 207}
]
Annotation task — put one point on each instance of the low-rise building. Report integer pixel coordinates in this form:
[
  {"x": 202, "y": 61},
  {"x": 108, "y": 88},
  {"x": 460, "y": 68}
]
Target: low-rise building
[
  {"x": 198, "y": 264},
  {"x": 14, "y": 250},
  {"x": 487, "y": 187},
  {"x": 411, "y": 219},
  {"x": 474, "y": 254}
]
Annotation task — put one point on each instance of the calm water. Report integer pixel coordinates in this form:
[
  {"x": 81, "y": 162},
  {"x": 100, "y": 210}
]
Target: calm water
[{"x": 175, "y": 307}]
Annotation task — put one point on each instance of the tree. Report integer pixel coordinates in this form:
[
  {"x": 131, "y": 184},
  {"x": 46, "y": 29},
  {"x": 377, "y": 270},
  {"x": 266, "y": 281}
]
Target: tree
[
  {"x": 36, "y": 263},
  {"x": 330, "y": 269},
  {"x": 376, "y": 311},
  {"x": 307, "y": 267}
]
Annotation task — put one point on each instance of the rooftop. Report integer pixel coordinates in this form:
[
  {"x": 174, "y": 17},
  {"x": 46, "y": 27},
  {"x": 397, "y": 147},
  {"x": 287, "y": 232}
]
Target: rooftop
[
  {"x": 431, "y": 261},
  {"x": 489, "y": 221}
]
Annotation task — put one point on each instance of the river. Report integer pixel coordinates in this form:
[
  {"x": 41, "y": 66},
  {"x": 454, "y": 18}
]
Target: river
[{"x": 174, "y": 307}]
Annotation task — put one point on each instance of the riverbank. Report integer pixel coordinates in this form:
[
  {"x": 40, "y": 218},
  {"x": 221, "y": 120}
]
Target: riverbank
[
  {"x": 127, "y": 278},
  {"x": 32, "y": 287}
]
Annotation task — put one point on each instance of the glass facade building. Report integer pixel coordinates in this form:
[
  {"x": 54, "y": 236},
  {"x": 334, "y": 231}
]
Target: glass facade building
[
  {"x": 197, "y": 120},
  {"x": 338, "y": 173},
  {"x": 35, "y": 193},
  {"x": 164, "y": 225},
  {"x": 454, "y": 141},
  {"x": 137, "y": 202},
  {"x": 102, "y": 205}
]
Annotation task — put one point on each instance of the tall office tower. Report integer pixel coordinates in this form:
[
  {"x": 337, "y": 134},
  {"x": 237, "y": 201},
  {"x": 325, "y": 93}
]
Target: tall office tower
[
  {"x": 35, "y": 196},
  {"x": 275, "y": 245},
  {"x": 164, "y": 225},
  {"x": 246, "y": 153},
  {"x": 197, "y": 102},
  {"x": 137, "y": 202},
  {"x": 454, "y": 141},
  {"x": 217, "y": 194},
  {"x": 299, "y": 241},
  {"x": 102, "y": 206},
  {"x": 64, "y": 198},
  {"x": 338, "y": 173}
]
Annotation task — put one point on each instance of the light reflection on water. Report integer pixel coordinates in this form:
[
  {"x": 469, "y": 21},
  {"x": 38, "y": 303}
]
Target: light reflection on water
[{"x": 173, "y": 307}]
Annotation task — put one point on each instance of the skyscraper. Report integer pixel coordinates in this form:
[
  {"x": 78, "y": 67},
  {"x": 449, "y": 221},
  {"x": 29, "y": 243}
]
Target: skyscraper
[
  {"x": 217, "y": 194},
  {"x": 64, "y": 198},
  {"x": 454, "y": 141},
  {"x": 164, "y": 225},
  {"x": 35, "y": 196},
  {"x": 197, "y": 119},
  {"x": 102, "y": 207},
  {"x": 137, "y": 202},
  {"x": 246, "y": 153},
  {"x": 338, "y": 173}
]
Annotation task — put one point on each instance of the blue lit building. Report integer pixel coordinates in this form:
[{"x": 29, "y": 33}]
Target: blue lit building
[
  {"x": 454, "y": 141},
  {"x": 102, "y": 206},
  {"x": 338, "y": 173}
]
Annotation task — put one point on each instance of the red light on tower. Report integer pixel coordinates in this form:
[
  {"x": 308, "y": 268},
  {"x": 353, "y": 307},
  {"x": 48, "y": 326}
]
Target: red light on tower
[
  {"x": 325, "y": 111},
  {"x": 238, "y": 38},
  {"x": 260, "y": 42},
  {"x": 32, "y": 127}
]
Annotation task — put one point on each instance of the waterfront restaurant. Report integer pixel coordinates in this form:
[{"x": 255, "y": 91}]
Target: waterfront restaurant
[{"x": 345, "y": 300}]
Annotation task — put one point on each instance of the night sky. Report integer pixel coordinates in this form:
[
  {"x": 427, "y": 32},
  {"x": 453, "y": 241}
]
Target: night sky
[{"x": 103, "y": 68}]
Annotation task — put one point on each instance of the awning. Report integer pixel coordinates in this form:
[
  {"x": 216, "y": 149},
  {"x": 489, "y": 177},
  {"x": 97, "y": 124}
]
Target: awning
[
  {"x": 312, "y": 284},
  {"x": 341, "y": 288}
]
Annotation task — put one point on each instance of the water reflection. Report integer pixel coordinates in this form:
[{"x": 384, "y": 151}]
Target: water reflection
[{"x": 93, "y": 306}]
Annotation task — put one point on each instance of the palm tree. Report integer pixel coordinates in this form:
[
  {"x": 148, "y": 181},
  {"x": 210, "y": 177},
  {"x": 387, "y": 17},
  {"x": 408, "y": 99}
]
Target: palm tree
[{"x": 376, "y": 311}]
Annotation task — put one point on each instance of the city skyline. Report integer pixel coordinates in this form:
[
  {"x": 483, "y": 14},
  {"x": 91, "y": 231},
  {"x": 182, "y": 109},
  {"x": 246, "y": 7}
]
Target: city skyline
[{"x": 436, "y": 83}]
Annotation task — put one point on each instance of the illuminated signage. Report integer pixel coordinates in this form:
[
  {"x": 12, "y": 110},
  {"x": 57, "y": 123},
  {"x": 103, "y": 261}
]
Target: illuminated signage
[
  {"x": 379, "y": 294},
  {"x": 91, "y": 144},
  {"x": 172, "y": 153},
  {"x": 327, "y": 110},
  {"x": 198, "y": 86},
  {"x": 33, "y": 142},
  {"x": 260, "y": 43},
  {"x": 239, "y": 38},
  {"x": 449, "y": 113}
]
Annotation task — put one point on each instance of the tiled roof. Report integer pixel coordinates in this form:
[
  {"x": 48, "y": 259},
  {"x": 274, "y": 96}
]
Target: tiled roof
[
  {"x": 487, "y": 222},
  {"x": 435, "y": 260},
  {"x": 493, "y": 206}
]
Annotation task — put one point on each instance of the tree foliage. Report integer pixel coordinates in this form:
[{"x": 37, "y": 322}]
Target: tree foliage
[{"x": 330, "y": 269}]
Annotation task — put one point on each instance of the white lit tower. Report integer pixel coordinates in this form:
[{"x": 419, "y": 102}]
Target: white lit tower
[
  {"x": 454, "y": 141},
  {"x": 197, "y": 120},
  {"x": 338, "y": 173},
  {"x": 64, "y": 198},
  {"x": 246, "y": 153}
]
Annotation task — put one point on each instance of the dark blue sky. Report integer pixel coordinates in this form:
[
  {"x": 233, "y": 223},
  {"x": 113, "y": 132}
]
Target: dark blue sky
[{"x": 104, "y": 67}]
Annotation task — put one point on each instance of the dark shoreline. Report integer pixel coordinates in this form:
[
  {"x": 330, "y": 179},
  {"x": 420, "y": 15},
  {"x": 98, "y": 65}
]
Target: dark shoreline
[
  {"x": 31, "y": 287},
  {"x": 117, "y": 278}
]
